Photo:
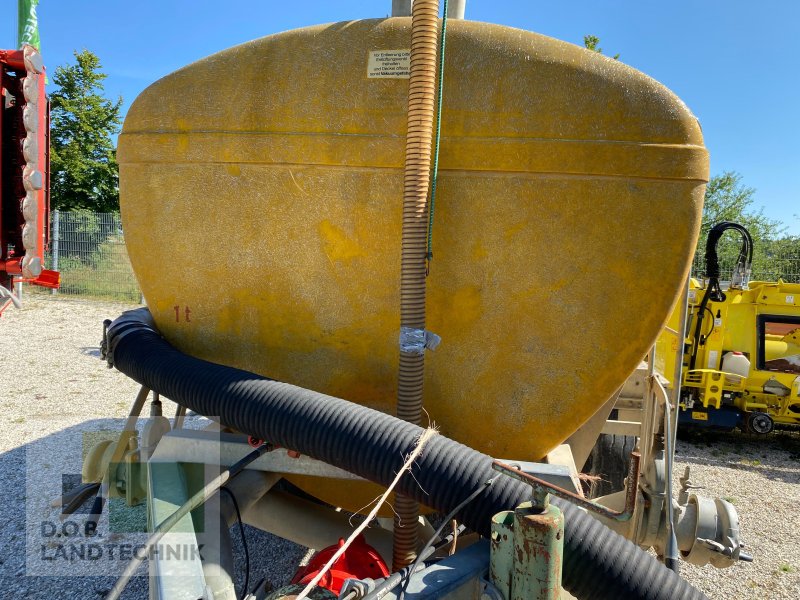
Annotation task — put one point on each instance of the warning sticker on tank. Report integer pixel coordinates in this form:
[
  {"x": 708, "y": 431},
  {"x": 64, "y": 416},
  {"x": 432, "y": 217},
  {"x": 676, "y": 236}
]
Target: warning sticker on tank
[{"x": 389, "y": 64}]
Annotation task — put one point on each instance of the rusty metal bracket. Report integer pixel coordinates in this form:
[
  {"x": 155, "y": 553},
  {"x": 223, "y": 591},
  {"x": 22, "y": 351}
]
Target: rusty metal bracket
[{"x": 542, "y": 488}]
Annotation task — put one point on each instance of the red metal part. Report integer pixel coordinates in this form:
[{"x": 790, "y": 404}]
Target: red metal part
[
  {"x": 16, "y": 124},
  {"x": 13, "y": 58},
  {"x": 12, "y": 267},
  {"x": 360, "y": 560},
  {"x": 49, "y": 279}
]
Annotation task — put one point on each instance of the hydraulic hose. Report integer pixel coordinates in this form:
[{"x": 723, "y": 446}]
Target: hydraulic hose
[
  {"x": 597, "y": 563},
  {"x": 713, "y": 290},
  {"x": 416, "y": 180}
]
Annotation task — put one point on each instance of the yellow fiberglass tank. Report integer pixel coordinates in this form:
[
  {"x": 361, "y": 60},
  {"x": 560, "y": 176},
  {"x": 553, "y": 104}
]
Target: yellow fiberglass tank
[{"x": 261, "y": 193}]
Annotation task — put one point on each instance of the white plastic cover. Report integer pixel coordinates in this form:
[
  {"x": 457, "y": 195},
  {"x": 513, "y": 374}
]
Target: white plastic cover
[
  {"x": 30, "y": 149},
  {"x": 32, "y": 59},
  {"x": 32, "y": 178}
]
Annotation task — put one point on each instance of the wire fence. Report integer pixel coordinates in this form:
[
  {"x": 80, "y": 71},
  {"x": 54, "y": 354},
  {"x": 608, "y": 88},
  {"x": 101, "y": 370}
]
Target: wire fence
[
  {"x": 769, "y": 266},
  {"x": 88, "y": 249}
]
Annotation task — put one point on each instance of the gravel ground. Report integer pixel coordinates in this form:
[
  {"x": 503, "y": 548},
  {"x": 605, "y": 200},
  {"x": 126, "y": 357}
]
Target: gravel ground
[
  {"x": 761, "y": 477},
  {"x": 55, "y": 388}
]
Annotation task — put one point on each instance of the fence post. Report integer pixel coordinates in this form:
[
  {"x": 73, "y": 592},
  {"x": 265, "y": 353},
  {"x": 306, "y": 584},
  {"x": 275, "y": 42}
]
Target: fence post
[{"x": 55, "y": 244}]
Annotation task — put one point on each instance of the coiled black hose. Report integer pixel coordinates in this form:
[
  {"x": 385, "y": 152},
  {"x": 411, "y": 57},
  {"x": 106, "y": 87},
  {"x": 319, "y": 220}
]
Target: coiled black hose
[
  {"x": 745, "y": 258},
  {"x": 598, "y": 563},
  {"x": 713, "y": 291}
]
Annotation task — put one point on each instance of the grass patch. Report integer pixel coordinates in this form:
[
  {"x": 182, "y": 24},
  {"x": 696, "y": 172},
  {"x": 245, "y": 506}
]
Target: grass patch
[{"x": 730, "y": 499}]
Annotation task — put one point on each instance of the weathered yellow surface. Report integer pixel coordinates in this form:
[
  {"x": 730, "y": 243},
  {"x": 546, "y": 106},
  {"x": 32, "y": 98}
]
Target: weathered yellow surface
[{"x": 261, "y": 188}]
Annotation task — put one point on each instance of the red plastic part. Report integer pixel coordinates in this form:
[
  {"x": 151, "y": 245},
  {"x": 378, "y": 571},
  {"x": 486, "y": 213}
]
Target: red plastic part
[{"x": 360, "y": 560}]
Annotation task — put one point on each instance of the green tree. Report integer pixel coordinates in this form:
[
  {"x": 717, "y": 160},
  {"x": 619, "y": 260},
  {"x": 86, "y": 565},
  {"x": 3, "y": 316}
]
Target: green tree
[
  {"x": 728, "y": 199},
  {"x": 83, "y": 164},
  {"x": 592, "y": 42}
]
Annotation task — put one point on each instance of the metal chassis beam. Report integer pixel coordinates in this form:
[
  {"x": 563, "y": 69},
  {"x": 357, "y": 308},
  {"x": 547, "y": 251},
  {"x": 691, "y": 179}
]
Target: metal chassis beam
[
  {"x": 213, "y": 447},
  {"x": 172, "y": 579},
  {"x": 458, "y": 576}
]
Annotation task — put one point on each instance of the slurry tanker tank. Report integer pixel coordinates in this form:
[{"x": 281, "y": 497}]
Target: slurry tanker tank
[{"x": 261, "y": 194}]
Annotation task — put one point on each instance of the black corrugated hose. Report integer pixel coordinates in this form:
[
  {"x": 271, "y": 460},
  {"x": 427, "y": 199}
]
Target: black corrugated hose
[{"x": 598, "y": 563}]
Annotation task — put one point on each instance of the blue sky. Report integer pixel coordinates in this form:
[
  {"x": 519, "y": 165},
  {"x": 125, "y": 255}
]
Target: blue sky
[{"x": 733, "y": 62}]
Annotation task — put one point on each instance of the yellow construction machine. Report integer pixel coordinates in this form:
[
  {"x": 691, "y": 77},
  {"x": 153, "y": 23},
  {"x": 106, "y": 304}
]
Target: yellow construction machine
[{"x": 740, "y": 361}]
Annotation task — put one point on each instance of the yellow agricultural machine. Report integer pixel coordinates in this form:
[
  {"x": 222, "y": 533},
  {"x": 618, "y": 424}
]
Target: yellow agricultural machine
[
  {"x": 741, "y": 357},
  {"x": 277, "y": 199}
]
